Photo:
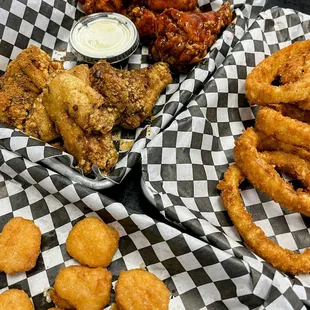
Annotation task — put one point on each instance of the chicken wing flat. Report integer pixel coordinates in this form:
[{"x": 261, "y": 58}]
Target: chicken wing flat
[
  {"x": 22, "y": 83},
  {"x": 183, "y": 38},
  {"x": 145, "y": 20},
  {"x": 136, "y": 93},
  {"x": 83, "y": 122},
  {"x": 94, "y": 6},
  {"x": 38, "y": 123},
  {"x": 160, "y": 5}
]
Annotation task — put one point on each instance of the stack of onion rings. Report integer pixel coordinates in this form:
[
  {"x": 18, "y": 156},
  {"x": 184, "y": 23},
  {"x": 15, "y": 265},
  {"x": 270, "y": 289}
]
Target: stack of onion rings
[{"x": 280, "y": 140}]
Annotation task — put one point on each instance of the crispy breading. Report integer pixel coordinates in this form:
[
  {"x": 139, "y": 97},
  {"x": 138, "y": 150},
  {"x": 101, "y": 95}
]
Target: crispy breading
[
  {"x": 82, "y": 288},
  {"x": 132, "y": 92},
  {"x": 14, "y": 299},
  {"x": 93, "y": 243},
  {"x": 22, "y": 83},
  {"x": 20, "y": 242},
  {"x": 38, "y": 123},
  {"x": 140, "y": 289},
  {"x": 82, "y": 120}
]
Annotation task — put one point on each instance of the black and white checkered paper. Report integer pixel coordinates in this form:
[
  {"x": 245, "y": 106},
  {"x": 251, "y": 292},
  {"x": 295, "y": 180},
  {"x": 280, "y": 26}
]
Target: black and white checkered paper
[
  {"x": 47, "y": 24},
  {"x": 206, "y": 268},
  {"x": 184, "y": 163}
]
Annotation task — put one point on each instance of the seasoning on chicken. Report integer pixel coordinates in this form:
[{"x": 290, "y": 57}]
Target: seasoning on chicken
[
  {"x": 132, "y": 93},
  {"x": 82, "y": 120},
  {"x": 22, "y": 83}
]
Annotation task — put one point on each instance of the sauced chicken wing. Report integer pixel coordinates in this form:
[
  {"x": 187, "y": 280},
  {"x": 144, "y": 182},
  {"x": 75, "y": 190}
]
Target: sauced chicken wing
[
  {"x": 160, "y": 5},
  {"x": 94, "y": 6},
  {"x": 136, "y": 92},
  {"x": 82, "y": 120},
  {"x": 22, "y": 83},
  {"x": 183, "y": 38}
]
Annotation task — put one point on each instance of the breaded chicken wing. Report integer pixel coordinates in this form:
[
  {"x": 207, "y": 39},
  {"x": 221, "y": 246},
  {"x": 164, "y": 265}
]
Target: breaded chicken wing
[
  {"x": 82, "y": 121},
  {"x": 22, "y": 83},
  {"x": 38, "y": 123},
  {"x": 136, "y": 92}
]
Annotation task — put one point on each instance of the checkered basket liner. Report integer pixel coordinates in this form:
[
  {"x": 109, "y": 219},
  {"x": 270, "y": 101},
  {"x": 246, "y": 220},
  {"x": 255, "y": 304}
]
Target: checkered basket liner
[
  {"x": 47, "y": 24},
  {"x": 183, "y": 164}
]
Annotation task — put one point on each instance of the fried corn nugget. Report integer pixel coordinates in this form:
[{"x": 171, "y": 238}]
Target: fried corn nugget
[
  {"x": 14, "y": 299},
  {"x": 92, "y": 242},
  {"x": 82, "y": 288},
  {"x": 20, "y": 243},
  {"x": 140, "y": 289}
]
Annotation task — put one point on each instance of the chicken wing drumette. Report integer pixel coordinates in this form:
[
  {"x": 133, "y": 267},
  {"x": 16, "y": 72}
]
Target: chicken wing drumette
[
  {"x": 22, "y": 83},
  {"x": 160, "y": 5},
  {"x": 82, "y": 120},
  {"x": 131, "y": 93},
  {"x": 183, "y": 38},
  {"x": 94, "y": 6},
  {"x": 38, "y": 123}
]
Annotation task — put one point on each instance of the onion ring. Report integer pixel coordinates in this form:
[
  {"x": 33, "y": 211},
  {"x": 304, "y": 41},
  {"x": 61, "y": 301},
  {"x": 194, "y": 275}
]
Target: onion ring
[
  {"x": 282, "y": 259},
  {"x": 268, "y": 143},
  {"x": 283, "y": 128},
  {"x": 258, "y": 85},
  {"x": 264, "y": 177},
  {"x": 292, "y": 111}
]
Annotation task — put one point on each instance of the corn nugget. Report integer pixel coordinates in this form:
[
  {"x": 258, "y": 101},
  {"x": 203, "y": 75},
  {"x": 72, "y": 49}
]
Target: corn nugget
[
  {"x": 15, "y": 299},
  {"x": 92, "y": 242},
  {"x": 20, "y": 243},
  {"x": 82, "y": 288},
  {"x": 140, "y": 289}
]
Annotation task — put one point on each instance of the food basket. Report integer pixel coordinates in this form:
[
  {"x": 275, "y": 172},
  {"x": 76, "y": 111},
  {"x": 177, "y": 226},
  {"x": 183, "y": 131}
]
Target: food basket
[
  {"x": 183, "y": 165},
  {"x": 48, "y": 26},
  {"x": 201, "y": 258}
]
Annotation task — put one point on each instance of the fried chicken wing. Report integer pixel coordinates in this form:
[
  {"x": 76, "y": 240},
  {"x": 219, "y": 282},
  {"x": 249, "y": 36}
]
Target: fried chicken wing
[
  {"x": 160, "y": 5},
  {"x": 94, "y": 6},
  {"x": 38, "y": 123},
  {"x": 136, "y": 93},
  {"x": 22, "y": 83},
  {"x": 183, "y": 38},
  {"x": 145, "y": 20},
  {"x": 82, "y": 120}
]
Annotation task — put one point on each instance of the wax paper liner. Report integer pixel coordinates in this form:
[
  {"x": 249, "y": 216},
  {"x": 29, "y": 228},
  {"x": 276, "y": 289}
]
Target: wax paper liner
[
  {"x": 47, "y": 24},
  {"x": 198, "y": 275},
  {"x": 184, "y": 163}
]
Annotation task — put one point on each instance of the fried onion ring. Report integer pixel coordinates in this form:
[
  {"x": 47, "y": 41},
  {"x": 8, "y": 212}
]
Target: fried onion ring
[
  {"x": 264, "y": 177},
  {"x": 283, "y": 128},
  {"x": 292, "y": 111},
  {"x": 258, "y": 85},
  {"x": 282, "y": 259},
  {"x": 268, "y": 143}
]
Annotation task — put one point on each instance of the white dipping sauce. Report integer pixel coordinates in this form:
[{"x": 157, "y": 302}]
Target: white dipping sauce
[{"x": 103, "y": 37}]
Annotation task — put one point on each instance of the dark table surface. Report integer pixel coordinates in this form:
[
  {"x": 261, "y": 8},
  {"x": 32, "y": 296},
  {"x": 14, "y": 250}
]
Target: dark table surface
[{"x": 129, "y": 192}]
